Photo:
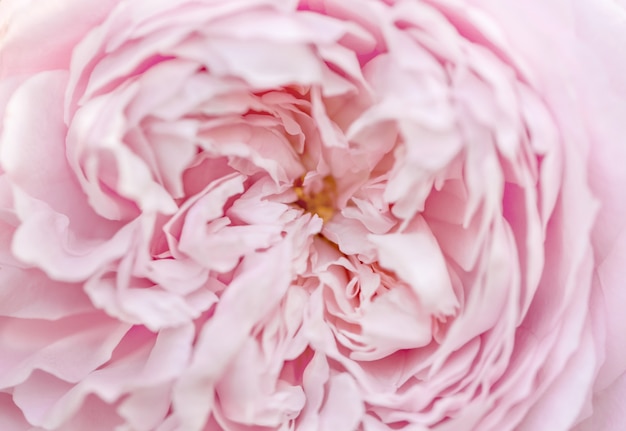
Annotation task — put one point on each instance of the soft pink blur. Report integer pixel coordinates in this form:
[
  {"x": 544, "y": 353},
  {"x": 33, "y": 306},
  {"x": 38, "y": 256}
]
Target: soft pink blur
[{"x": 312, "y": 215}]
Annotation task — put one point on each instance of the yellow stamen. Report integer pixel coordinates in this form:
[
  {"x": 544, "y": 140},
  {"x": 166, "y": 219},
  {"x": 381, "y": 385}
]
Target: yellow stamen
[{"x": 322, "y": 202}]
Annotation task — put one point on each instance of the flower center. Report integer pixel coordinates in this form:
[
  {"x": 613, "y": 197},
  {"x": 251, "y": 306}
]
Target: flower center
[{"x": 318, "y": 197}]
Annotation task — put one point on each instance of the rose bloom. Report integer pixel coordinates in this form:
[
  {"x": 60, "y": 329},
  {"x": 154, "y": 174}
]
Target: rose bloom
[{"x": 309, "y": 215}]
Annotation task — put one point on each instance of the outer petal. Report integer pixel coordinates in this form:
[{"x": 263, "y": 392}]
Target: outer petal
[
  {"x": 25, "y": 24},
  {"x": 11, "y": 417},
  {"x": 608, "y": 409},
  {"x": 601, "y": 29},
  {"x": 72, "y": 241},
  {"x": 588, "y": 79}
]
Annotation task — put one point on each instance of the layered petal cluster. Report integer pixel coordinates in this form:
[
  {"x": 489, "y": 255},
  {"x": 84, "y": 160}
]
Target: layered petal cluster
[{"x": 311, "y": 215}]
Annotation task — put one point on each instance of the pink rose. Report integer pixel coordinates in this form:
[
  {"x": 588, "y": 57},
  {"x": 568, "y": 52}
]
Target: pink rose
[{"x": 312, "y": 215}]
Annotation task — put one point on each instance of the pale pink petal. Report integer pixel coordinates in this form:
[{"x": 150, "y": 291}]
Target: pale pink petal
[
  {"x": 601, "y": 33},
  {"x": 155, "y": 308},
  {"x": 250, "y": 296},
  {"x": 417, "y": 259},
  {"x": 57, "y": 347},
  {"x": 313, "y": 380},
  {"x": 566, "y": 394},
  {"x": 29, "y": 294},
  {"x": 608, "y": 409},
  {"x": 42, "y": 148},
  {"x": 343, "y": 408},
  {"x": 59, "y": 252},
  {"x": 11, "y": 416},
  {"x": 249, "y": 394},
  {"x": 151, "y": 363},
  {"x": 392, "y": 322},
  {"x": 34, "y": 21},
  {"x": 146, "y": 408}
]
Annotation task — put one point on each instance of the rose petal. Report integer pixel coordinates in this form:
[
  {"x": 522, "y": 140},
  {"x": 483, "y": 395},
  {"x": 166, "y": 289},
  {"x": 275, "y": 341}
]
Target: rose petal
[{"x": 417, "y": 259}]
